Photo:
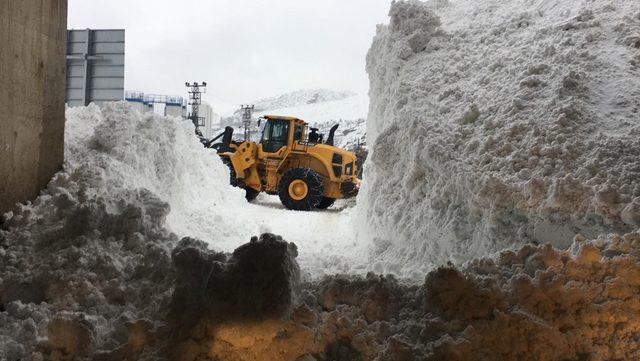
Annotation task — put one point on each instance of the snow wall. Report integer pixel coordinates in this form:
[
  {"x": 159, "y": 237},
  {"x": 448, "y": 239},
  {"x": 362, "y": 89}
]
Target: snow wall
[{"x": 496, "y": 123}]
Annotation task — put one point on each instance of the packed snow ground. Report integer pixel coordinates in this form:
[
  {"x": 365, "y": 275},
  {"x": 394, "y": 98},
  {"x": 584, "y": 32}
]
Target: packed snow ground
[{"x": 326, "y": 240}]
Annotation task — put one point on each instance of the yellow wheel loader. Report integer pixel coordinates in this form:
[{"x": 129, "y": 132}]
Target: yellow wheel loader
[{"x": 305, "y": 171}]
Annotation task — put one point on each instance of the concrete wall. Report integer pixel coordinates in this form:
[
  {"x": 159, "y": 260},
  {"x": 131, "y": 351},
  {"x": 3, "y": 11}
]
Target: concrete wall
[{"x": 33, "y": 42}]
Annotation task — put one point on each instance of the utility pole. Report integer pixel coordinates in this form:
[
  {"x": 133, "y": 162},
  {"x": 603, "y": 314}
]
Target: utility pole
[
  {"x": 247, "y": 111},
  {"x": 195, "y": 99}
]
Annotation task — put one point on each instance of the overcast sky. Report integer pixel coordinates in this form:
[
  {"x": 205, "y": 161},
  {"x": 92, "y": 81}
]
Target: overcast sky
[{"x": 244, "y": 49}]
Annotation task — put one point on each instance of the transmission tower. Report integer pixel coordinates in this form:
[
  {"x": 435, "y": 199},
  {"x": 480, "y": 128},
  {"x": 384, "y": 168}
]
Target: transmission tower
[
  {"x": 195, "y": 99},
  {"x": 247, "y": 111}
]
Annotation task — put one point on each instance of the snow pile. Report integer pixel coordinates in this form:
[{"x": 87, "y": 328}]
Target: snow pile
[
  {"x": 256, "y": 282},
  {"x": 494, "y": 123},
  {"x": 92, "y": 253},
  {"x": 86, "y": 269},
  {"x": 158, "y": 154},
  {"x": 536, "y": 303}
]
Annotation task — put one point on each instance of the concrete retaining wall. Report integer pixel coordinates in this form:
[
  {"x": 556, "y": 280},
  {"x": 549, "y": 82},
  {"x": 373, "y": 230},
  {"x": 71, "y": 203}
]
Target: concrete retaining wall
[{"x": 32, "y": 94}]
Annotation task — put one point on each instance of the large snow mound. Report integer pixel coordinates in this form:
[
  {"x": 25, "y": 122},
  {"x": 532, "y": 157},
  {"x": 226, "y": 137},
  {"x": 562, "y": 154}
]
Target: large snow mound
[
  {"x": 92, "y": 252},
  {"x": 126, "y": 150},
  {"x": 499, "y": 122}
]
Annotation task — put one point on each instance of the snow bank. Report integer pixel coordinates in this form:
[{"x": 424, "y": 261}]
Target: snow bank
[
  {"x": 495, "y": 123},
  {"x": 536, "y": 303},
  {"x": 92, "y": 252},
  {"x": 121, "y": 149}
]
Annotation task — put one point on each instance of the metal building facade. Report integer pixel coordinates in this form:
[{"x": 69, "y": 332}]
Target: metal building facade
[{"x": 95, "y": 66}]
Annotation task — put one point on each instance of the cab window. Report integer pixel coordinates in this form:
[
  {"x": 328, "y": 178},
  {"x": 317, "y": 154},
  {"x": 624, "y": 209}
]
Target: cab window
[
  {"x": 274, "y": 135},
  {"x": 297, "y": 135}
]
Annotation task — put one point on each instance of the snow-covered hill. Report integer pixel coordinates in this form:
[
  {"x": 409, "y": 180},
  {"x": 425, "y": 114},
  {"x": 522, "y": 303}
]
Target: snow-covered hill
[
  {"x": 350, "y": 133},
  {"x": 352, "y": 107},
  {"x": 301, "y": 97}
]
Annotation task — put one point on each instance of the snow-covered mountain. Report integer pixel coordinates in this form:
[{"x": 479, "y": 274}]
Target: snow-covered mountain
[
  {"x": 351, "y": 133},
  {"x": 352, "y": 107},
  {"x": 301, "y": 98}
]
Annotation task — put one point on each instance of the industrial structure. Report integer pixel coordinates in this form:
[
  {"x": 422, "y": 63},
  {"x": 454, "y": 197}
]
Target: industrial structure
[
  {"x": 136, "y": 99},
  {"x": 247, "y": 112},
  {"x": 95, "y": 66},
  {"x": 175, "y": 106},
  {"x": 210, "y": 120},
  {"x": 195, "y": 99}
]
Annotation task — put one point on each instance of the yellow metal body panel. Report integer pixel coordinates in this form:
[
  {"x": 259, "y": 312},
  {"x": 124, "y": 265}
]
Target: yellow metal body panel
[{"x": 244, "y": 163}]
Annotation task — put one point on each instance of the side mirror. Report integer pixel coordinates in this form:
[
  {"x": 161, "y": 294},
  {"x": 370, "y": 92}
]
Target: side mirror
[{"x": 259, "y": 119}]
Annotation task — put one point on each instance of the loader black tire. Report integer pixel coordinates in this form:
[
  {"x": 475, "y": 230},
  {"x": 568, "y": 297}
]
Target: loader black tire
[
  {"x": 250, "y": 193},
  {"x": 326, "y": 202},
  {"x": 314, "y": 186},
  {"x": 233, "y": 180}
]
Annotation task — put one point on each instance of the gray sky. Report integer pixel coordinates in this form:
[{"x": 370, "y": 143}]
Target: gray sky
[{"x": 244, "y": 49}]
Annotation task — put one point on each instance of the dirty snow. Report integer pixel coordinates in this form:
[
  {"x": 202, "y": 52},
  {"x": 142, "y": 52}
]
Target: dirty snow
[
  {"x": 497, "y": 123},
  {"x": 535, "y": 303}
]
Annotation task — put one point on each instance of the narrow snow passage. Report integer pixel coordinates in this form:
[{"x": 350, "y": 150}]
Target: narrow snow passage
[
  {"x": 326, "y": 239},
  {"x": 122, "y": 154}
]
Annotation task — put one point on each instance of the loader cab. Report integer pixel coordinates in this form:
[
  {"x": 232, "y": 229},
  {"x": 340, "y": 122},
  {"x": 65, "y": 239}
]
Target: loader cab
[
  {"x": 276, "y": 132},
  {"x": 274, "y": 135}
]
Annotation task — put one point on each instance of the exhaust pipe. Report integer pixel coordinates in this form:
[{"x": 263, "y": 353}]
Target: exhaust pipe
[{"x": 332, "y": 132}]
